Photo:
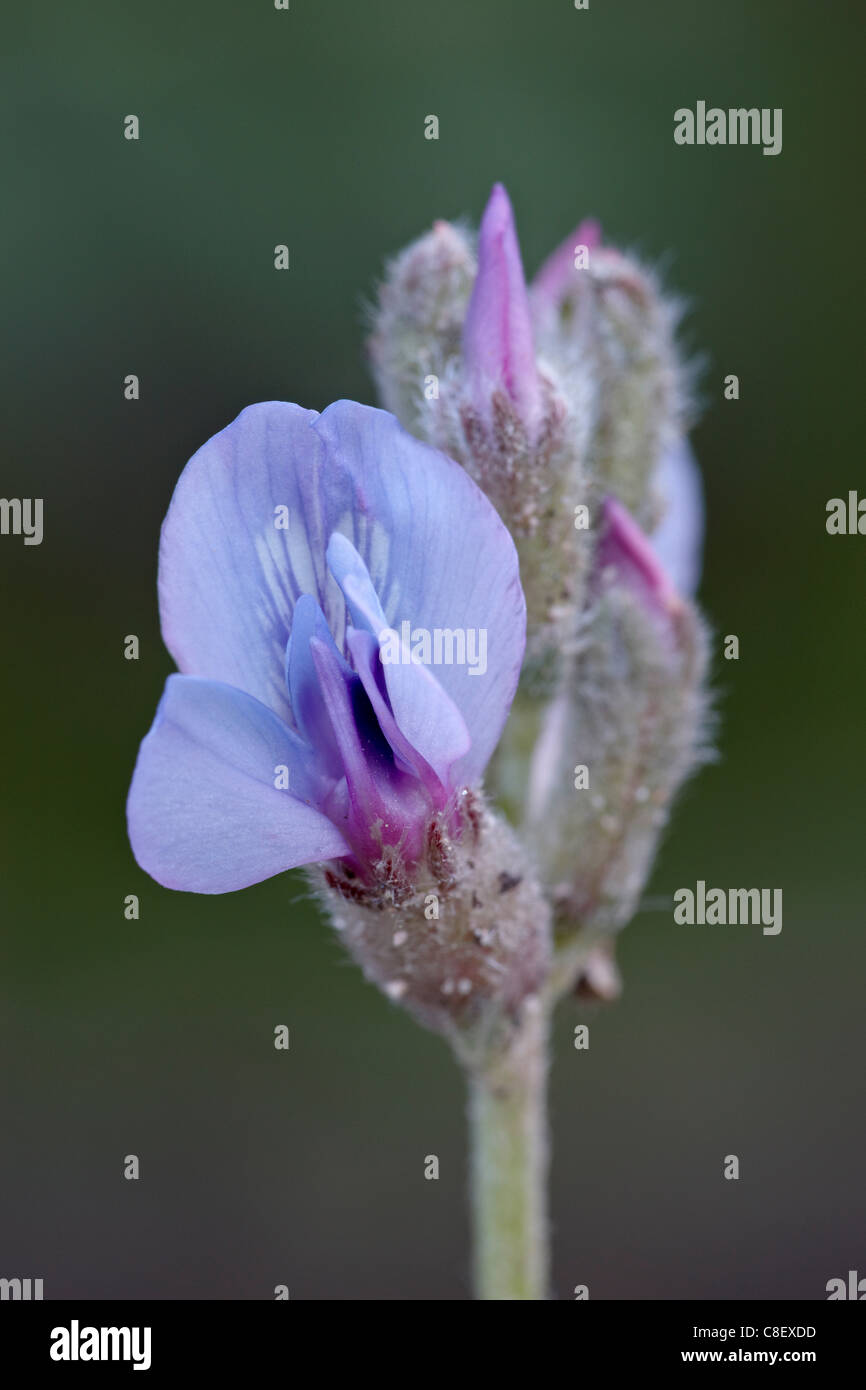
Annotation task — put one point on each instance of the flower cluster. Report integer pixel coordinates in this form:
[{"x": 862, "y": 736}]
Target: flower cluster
[
  {"x": 566, "y": 401},
  {"x": 309, "y": 564},
  {"x": 551, "y": 395}
]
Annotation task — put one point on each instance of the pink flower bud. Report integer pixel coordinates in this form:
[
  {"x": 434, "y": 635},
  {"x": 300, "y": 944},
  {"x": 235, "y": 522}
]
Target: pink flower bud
[
  {"x": 498, "y": 346},
  {"x": 626, "y": 556},
  {"x": 556, "y": 278}
]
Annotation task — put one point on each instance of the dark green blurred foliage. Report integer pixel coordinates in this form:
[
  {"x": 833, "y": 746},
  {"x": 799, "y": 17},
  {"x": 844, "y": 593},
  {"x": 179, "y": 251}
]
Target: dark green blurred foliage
[{"x": 154, "y": 1037}]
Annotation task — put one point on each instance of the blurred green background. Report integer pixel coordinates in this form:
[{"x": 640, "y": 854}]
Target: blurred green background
[{"x": 155, "y": 1037}]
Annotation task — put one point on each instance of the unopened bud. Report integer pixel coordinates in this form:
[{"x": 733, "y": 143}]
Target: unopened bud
[
  {"x": 555, "y": 287},
  {"x": 633, "y": 713},
  {"x": 418, "y": 322},
  {"x": 615, "y": 316},
  {"x": 498, "y": 347},
  {"x": 504, "y": 416}
]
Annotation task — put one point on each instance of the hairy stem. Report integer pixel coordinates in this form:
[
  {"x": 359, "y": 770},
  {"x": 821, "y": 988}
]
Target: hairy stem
[{"x": 508, "y": 1136}]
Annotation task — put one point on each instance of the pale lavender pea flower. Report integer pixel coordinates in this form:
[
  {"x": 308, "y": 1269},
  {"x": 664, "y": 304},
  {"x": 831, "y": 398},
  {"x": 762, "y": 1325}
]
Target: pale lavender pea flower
[{"x": 292, "y": 543}]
